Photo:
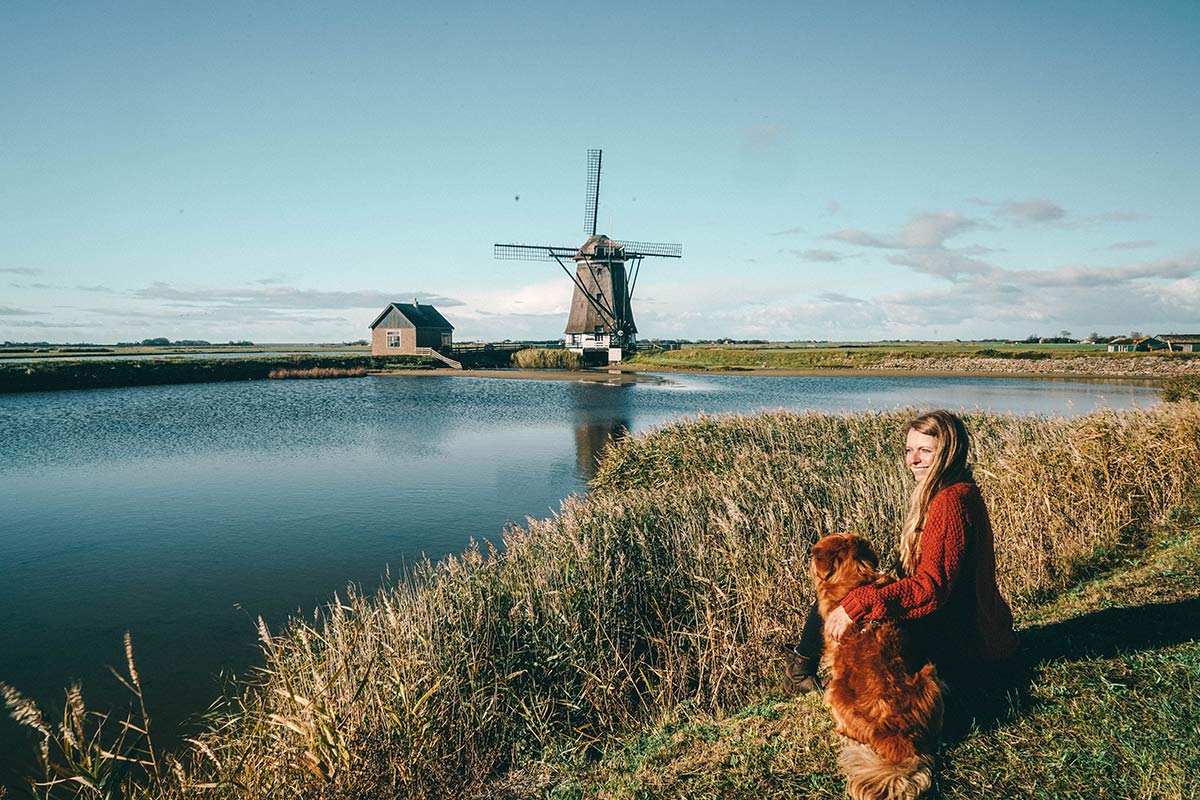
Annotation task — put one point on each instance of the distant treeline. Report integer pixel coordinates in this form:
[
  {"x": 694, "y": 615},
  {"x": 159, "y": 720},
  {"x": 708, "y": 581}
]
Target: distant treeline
[
  {"x": 39, "y": 376},
  {"x": 160, "y": 341}
]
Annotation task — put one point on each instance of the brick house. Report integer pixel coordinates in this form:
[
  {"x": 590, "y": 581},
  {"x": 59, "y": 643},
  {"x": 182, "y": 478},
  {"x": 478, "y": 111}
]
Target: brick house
[{"x": 402, "y": 328}]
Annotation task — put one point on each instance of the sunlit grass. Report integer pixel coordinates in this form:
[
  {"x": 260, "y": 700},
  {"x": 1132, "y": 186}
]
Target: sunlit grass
[
  {"x": 537, "y": 358},
  {"x": 1108, "y": 709}
]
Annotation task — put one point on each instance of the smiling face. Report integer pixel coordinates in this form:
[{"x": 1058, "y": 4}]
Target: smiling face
[{"x": 919, "y": 452}]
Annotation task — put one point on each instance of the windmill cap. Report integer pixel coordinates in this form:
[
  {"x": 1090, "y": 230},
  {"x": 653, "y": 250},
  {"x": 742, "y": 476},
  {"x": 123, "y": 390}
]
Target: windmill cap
[{"x": 599, "y": 241}]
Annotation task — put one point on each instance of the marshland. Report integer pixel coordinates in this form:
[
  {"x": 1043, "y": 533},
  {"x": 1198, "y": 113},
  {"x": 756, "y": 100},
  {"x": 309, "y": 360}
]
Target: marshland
[{"x": 552, "y": 657}]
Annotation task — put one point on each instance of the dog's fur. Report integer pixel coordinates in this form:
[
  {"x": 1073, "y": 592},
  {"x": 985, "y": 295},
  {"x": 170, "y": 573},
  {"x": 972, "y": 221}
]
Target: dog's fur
[{"x": 891, "y": 714}]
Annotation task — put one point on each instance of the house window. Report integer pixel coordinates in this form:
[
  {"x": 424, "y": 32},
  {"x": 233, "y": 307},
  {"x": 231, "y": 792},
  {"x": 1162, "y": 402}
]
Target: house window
[{"x": 393, "y": 338}]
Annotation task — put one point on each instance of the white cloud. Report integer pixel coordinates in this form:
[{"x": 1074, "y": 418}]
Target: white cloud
[
  {"x": 1183, "y": 294},
  {"x": 1152, "y": 296},
  {"x": 794, "y": 318},
  {"x": 837, "y": 297},
  {"x": 947, "y": 264},
  {"x": 285, "y": 297},
  {"x": 1082, "y": 275},
  {"x": 534, "y": 299},
  {"x": 38, "y": 324},
  {"x": 931, "y": 230},
  {"x": 1033, "y": 211},
  {"x": 825, "y": 256},
  {"x": 924, "y": 231},
  {"x": 1135, "y": 245},
  {"x": 1041, "y": 211},
  {"x": 277, "y": 279},
  {"x": 863, "y": 239}
]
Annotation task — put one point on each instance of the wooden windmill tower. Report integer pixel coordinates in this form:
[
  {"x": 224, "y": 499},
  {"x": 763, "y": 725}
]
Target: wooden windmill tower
[{"x": 600, "y": 325}]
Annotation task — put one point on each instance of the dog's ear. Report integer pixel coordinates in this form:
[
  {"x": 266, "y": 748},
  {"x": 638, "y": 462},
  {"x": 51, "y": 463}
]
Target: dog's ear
[
  {"x": 827, "y": 556},
  {"x": 863, "y": 555}
]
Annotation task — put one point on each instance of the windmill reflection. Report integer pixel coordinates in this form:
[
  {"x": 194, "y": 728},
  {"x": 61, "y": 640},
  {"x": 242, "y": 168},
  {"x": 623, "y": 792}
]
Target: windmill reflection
[{"x": 601, "y": 417}]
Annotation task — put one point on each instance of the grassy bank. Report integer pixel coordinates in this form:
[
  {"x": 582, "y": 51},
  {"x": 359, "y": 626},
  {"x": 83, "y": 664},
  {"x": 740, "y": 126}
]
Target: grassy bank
[
  {"x": 858, "y": 356},
  {"x": 54, "y": 351},
  {"x": 939, "y": 357},
  {"x": 647, "y": 616},
  {"x": 1108, "y": 709},
  {"x": 38, "y": 376}
]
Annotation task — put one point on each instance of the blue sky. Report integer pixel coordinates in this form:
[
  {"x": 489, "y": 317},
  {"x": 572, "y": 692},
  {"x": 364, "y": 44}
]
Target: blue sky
[{"x": 279, "y": 172}]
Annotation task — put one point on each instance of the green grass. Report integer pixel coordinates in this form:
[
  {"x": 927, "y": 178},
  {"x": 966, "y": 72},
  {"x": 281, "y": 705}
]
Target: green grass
[
  {"x": 626, "y": 647},
  {"x": 774, "y": 356}
]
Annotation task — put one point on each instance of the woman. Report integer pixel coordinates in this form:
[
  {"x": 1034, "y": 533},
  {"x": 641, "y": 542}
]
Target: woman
[{"x": 947, "y": 597}]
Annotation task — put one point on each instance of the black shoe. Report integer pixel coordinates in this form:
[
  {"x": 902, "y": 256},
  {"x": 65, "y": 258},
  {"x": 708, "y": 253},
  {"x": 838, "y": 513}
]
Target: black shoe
[{"x": 799, "y": 673}]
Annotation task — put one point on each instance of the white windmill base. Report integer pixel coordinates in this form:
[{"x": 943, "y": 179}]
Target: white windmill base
[{"x": 590, "y": 346}]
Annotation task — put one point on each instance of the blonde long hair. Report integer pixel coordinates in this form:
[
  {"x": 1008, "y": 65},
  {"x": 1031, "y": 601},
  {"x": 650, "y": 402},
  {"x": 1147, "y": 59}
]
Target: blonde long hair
[{"x": 949, "y": 466}]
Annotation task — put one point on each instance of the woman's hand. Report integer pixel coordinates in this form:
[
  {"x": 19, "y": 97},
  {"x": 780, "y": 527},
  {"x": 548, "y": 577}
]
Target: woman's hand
[{"x": 838, "y": 623}]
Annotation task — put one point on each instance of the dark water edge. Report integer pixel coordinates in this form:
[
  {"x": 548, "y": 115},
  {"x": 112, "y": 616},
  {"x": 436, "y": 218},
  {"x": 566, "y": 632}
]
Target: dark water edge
[
  {"x": 45, "y": 375},
  {"x": 182, "y": 513}
]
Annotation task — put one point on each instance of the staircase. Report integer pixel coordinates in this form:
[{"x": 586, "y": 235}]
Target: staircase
[{"x": 429, "y": 351}]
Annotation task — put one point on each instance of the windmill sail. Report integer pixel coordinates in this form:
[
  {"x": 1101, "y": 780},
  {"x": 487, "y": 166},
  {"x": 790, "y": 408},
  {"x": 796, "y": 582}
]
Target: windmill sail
[
  {"x": 532, "y": 252},
  {"x": 591, "y": 205},
  {"x": 660, "y": 249}
]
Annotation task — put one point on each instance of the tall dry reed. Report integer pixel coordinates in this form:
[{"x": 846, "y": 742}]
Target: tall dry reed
[
  {"x": 317, "y": 373},
  {"x": 536, "y": 358},
  {"x": 673, "y": 581}
]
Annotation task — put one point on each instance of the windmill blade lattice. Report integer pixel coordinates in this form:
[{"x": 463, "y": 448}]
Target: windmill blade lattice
[
  {"x": 530, "y": 252},
  {"x": 661, "y": 249},
  {"x": 591, "y": 205}
]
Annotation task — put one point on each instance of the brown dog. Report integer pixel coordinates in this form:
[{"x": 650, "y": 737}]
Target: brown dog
[{"x": 891, "y": 714}]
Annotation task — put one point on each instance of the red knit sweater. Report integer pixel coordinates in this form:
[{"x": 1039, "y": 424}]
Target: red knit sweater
[{"x": 953, "y": 588}]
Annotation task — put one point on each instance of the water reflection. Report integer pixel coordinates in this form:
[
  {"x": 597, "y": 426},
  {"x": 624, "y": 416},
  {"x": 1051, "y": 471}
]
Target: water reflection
[{"x": 602, "y": 414}]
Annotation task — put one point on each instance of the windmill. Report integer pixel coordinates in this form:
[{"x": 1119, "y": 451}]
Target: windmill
[{"x": 600, "y": 325}]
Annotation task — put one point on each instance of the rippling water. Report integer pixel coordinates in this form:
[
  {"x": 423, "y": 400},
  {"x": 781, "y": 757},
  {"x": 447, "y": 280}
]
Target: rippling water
[{"x": 181, "y": 513}]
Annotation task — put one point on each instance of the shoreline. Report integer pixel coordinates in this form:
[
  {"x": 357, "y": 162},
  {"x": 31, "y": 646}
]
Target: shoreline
[
  {"x": 625, "y": 375},
  {"x": 81, "y": 374}
]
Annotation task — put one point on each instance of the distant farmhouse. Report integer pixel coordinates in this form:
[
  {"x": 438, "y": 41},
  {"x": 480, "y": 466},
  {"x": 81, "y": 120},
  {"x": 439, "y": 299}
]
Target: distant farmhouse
[
  {"x": 410, "y": 328},
  {"x": 1182, "y": 342},
  {"x": 1141, "y": 344}
]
